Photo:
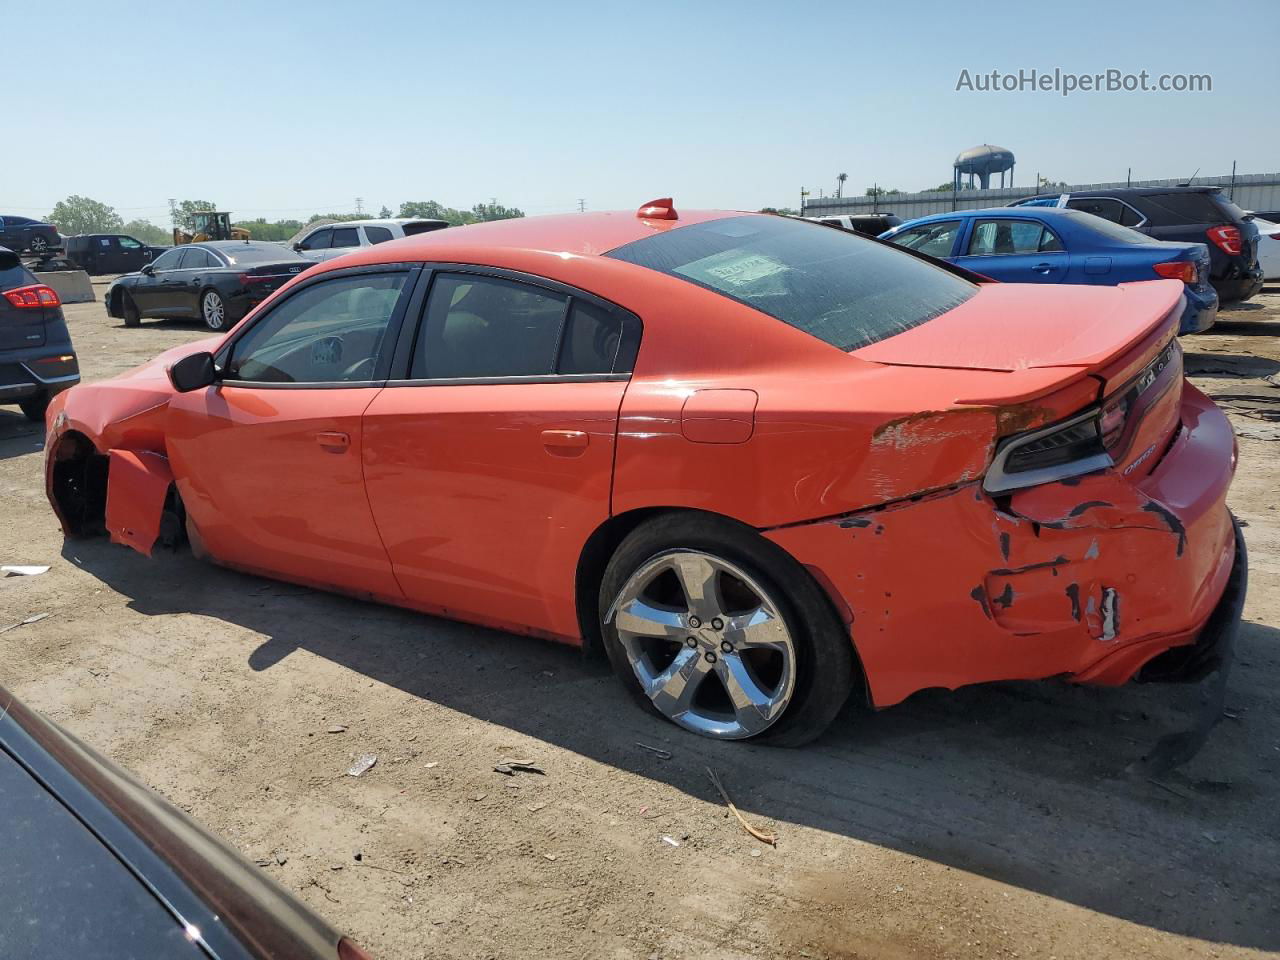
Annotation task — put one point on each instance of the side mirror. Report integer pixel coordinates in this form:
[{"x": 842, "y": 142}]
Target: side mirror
[
  {"x": 149, "y": 270},
  {"x": 193, "y": 372},
  {"x": 298, "y": 246}
]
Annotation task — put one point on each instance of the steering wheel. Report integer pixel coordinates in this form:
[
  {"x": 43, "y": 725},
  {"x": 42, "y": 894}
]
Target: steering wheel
[{"x": 363, "y": 367}]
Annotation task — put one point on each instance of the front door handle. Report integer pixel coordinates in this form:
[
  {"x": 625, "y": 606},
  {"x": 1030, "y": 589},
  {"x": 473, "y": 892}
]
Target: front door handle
[
  {"x": 1043, "y": 268},
  {"x": 565, "y": 443},
  {"x": 333, "y": 441}
]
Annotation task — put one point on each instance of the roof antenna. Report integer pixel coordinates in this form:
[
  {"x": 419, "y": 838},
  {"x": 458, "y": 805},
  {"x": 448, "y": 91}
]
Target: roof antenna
[{"x": 1189, "y": 181}]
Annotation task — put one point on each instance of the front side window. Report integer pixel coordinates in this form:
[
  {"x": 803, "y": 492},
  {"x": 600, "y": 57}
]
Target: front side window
[
  {"x": 330, "y": 332},
  {"x": 129, "y": 243},
  {"x": 377, "y": 234},
  {"x": 317, "y": 241},
  {"x": 1000, "y": 237},
  {"x": 936, "y": 239},
  {"x": 346, "y": 237},
  {"x": 487, "y": 327},
  {"x": 844, "y": 289},
  {"x": 168, "y": 260}
]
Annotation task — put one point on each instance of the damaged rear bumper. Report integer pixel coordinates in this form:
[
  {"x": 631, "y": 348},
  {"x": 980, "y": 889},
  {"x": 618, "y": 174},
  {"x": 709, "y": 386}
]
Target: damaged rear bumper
[{"x": 1092, "y": 579}]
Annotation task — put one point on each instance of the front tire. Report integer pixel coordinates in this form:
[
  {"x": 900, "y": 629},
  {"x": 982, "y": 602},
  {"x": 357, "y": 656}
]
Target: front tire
[
  {"x": 721, "y": 632},
  {"x": 213, "y": 310},
  {"x": 33, "y": 408}
]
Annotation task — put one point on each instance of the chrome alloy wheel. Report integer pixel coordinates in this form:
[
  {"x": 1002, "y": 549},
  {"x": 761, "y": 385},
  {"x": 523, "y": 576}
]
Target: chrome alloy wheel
[
  {"x": 707, "y": 643},
  {"x": 214, "y": 312}
]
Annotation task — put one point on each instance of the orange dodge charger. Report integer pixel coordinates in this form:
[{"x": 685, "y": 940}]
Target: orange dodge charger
[{"x": 761, "y": 462}]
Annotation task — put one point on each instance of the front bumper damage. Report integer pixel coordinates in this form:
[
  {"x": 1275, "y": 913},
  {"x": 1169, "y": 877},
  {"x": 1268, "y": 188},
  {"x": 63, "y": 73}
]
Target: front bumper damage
[{"x": 1093, "y": 578}]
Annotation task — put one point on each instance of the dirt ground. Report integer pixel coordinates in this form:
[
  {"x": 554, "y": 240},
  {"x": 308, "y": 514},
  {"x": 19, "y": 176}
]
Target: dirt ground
[{"x": 997, "y": 821}]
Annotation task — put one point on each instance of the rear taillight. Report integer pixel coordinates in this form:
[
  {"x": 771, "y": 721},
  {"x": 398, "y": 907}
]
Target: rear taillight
[
  {"x": 1177, "y": 270},
  {"x": 1114, "y": 417},
  {"x": 1226, "y": 238},
  {"x": 248, "y": 278},
  {"x": 36, "y": 296},
  {"x": 349, "y": 951}
]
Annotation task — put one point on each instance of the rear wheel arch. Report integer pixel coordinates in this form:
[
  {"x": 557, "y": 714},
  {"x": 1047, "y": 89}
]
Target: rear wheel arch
[{"x": 605, "y": 540}]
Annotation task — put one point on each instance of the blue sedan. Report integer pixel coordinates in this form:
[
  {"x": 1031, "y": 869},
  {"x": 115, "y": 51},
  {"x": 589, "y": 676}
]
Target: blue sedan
[{"x": 1049, "y": 245}]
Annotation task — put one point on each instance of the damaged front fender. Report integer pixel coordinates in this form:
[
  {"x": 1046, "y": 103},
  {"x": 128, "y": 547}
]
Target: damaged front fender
[{"x": 137, "y": 491}]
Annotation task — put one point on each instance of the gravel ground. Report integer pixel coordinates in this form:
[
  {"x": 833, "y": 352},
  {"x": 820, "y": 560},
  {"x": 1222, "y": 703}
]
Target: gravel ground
[{"x": 995, "y": 821}]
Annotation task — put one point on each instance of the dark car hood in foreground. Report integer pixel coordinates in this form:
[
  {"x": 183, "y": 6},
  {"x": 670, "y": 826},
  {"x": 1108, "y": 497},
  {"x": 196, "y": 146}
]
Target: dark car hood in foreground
[{"x": 205, "y": 889}]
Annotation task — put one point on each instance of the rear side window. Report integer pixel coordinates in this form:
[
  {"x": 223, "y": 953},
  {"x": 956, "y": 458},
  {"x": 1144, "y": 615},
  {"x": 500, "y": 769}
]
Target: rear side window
[
  {"x": 346, "y": 237},
  {"x": 591, "y": 340},
  {"x": 998, "y": 237},
  {"x": 842, "y": 288},
  {"x": 1172, "y": 209},
  {"x": 1104, "y": 207},
  {"x": 194, "y": 258},
  {"x": 487, "y": 327},
  {"x": 377, "y": 234}
]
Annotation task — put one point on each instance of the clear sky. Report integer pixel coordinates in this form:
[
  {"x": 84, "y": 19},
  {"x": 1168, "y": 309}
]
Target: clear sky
[{"x": 286, "y": 109}]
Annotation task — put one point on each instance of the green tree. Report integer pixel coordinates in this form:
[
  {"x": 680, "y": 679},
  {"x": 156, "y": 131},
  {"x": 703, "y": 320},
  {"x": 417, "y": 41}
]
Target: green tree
[
  {"x": 147, "y": 232},
  {"x": 940, "y": 188},
  {"x": 880, "y": 192},
  {"x": 261, "y": 229},
  {"x": 385, "y": 213},
  {"x": 432, "y": 210},
  {"x": 781, "y": 211},
  {"x": 185, "y": 215},
  {"x": 495, "y": 211},
  {"x": 335, "y": 217},
  {"x": 78, "y": 214}
]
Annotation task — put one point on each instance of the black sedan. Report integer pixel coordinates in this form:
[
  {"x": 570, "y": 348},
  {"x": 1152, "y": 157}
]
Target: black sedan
[
  {"x": 218, "y": 281},
  {"x": 98, "y": 867},
  {"x": 24, "y": 235}
]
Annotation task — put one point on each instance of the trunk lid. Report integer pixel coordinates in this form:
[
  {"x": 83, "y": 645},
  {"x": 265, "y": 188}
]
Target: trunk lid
[
  {"x": 264, "y": 278},
  {"x": 1009, "y": 327}
]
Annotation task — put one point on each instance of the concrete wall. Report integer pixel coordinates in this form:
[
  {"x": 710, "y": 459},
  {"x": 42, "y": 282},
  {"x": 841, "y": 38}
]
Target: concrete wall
[
  {"x": 1255, "y": 191},
  {"x": 71, "y": 286}
]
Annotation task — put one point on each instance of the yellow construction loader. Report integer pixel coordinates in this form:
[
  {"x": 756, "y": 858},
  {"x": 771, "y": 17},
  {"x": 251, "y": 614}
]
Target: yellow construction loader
[{"x": 209, "y": 225}]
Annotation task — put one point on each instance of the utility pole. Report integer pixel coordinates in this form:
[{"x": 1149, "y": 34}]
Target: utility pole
[
  {"x": 803, "y": 193},
  {"x": 582, "y": 205},
  {"x": 173, "y": 211},
  {"x": 359, "y": 204}
]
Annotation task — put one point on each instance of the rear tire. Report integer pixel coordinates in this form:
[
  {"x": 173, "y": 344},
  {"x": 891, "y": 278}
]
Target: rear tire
[
  {"x": 132, "y": 318},
  {"x": 39, "y": 244},
  {"x": 213, "y": 310},
  {"x": 33, "y": 408},
  {"x": 785, "y": 699}
]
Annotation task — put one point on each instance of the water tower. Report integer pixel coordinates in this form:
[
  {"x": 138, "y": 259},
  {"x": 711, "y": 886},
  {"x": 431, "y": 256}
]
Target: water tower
[{"x": 982, "y": 162}]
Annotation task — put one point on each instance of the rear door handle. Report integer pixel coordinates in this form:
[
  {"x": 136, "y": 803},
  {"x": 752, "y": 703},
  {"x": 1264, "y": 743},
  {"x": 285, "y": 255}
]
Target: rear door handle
[
  {"x": 565, "y": 443},
  {"x": 333, "y": 441}
]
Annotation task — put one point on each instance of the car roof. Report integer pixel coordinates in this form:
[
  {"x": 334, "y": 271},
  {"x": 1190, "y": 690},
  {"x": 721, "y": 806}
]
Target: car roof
[
  {"x": 233, "y": 244},
  {"x": 581, "y": 234}
]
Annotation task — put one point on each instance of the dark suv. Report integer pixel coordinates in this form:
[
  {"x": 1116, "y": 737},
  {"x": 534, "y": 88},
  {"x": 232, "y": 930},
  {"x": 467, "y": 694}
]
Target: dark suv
[
  {"x": 98, "y": 253},
  {"x": 1186, "y": 214},
  {"x": 36, "y": 356},
  {"x": 23, "y": 235}
]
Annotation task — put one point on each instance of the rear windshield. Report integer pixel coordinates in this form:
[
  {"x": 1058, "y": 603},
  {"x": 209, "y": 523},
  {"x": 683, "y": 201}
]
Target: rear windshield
[
  {"x": 14, "y": 275},
  {"x": 844, "y": 289},
  {"x": 259, "y": 253},
  {"x": 1112, "y": 231}
]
